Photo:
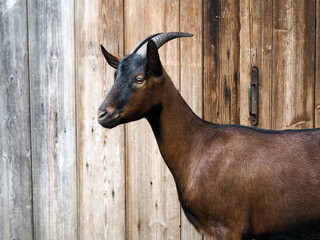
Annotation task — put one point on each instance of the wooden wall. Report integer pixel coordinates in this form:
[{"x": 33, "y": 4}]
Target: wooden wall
[
  {"x": 38, "y": 120},
  {"x": 15, "y": 130},
  {"x": 62, "y": 176},
  {"x": 282, "y": 41}
]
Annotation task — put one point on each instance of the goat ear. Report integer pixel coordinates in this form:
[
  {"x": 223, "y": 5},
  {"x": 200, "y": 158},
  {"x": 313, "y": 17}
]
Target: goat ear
[
  {"x": 154, "y": 59},
  {"x": 111, "y": 59}
]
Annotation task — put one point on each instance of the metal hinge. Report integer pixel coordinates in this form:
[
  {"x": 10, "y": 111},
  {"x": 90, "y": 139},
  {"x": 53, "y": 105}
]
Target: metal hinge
[{"x": 254, "y": 96}]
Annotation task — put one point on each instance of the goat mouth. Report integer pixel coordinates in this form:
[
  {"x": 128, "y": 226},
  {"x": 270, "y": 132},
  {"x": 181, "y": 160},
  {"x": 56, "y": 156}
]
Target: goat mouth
[{"x": 108, "y": 121}]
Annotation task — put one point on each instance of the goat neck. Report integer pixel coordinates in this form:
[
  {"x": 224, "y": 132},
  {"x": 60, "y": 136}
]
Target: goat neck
[{"x": 175, "y": 127}]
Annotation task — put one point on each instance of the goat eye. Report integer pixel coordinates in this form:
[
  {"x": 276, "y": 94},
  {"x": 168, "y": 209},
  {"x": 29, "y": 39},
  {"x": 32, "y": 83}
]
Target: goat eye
[{"x": 139, "y": 79}]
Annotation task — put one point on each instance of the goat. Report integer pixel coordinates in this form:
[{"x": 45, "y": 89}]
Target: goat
[{"x": 234, "y": 182}]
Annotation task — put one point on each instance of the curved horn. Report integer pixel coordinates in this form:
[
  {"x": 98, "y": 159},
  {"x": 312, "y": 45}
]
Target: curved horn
[
  {"x": 136, "y": 48},
  {"x": 159, "y": 40}
]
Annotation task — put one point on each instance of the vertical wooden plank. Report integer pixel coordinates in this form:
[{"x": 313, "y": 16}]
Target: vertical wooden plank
[
  {"x": 101, "y": 152},
  {"x": 261, "y": 55},
  {"x": 53, "y": 127},
  {"x": 232, "y": 70},
  {"x": 211, "y": 56},
  {"x": 293, "y": 64},
  {"x": 15, "y": 147},
  {"x": 245, "y": 56},
  {"x": 191, "y": 76},
  {"x": 317, "y": 66},
  {"x": 221, "y": 61},
  {"x": 152, "y": 203}
]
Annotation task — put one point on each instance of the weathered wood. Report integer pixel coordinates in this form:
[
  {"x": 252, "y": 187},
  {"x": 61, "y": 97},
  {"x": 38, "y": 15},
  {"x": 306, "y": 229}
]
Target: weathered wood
[
  {"x": 285, "y": 92},
  {"x": 15, "y": 147},
  {"x": 293, "y": 64},
  {"x": 101, "y": 152},
  {"x": 191, "y": 76},
  {"x": 231, "y": 70},
  {"x": 153, "y": 210},
  {"x": 211, "y": 51},
  {"x": 317, "y": 66},
  {"x": 53, "y": 126},
  {"x": 244, "y": 61},
  {"x": 261, "y": 55},
  {"x": 221, "y": 61}
]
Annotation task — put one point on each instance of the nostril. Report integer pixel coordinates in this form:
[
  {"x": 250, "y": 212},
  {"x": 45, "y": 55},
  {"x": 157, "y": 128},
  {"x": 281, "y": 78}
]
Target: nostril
[{"x": 102, "y": 113}]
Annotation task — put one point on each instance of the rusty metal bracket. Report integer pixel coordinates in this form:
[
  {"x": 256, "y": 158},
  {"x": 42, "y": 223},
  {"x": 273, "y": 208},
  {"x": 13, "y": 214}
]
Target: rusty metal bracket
[{"x": 254, "y": 96}]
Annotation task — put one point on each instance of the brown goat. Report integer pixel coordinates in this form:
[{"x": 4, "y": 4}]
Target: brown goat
[{"x": 234, "y": 182}]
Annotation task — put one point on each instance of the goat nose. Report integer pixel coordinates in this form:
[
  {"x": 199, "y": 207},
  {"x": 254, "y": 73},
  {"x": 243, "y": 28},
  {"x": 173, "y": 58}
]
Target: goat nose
[{"x": 102, "y": 113}]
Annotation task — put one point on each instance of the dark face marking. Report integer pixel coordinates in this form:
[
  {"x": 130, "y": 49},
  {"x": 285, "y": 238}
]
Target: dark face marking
[
  {"x": 126, "y": 92},
  {"x": 129, "y": 68}
]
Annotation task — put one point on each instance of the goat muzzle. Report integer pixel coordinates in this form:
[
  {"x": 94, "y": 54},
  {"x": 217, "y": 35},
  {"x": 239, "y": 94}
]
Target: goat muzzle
[{"x": 108, "y": 119}]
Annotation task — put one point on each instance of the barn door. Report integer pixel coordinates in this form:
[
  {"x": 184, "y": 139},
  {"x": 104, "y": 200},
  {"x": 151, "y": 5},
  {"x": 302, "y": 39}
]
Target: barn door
[{"x": 281, "y": 38}]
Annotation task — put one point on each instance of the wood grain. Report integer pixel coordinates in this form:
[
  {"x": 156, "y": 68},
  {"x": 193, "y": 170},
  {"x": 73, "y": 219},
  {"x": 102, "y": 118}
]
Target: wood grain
[
  {"x": 293, "y": 64},
  {"x": 101, "y": 152},
  {"x": 245, "y": 65},
  {"x": 191, "y": 76},
  {"x": 15, "y": 147},
  {"x": 211, "y": 56},
  {"x": 152, "y": 202},
  {"x": 317, "y": 66},
  {"x": 261, "y": 55},
  {"x": 53, "y": 118},
  {"x": 221, "y": 61}
]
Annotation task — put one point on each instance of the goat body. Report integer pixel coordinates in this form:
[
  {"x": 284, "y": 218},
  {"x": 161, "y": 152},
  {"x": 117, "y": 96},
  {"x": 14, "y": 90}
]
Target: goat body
[
  {"x": 234, "y": 182},
  {"x": 237, "y": 176}
]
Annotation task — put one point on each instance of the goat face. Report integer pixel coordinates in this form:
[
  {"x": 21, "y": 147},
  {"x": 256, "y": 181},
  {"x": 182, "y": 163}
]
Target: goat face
[{"x": 136, "y": 87}]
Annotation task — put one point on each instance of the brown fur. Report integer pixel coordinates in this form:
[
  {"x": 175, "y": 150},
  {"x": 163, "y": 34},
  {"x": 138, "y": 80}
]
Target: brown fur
[{"x": 237, "y": 176}]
